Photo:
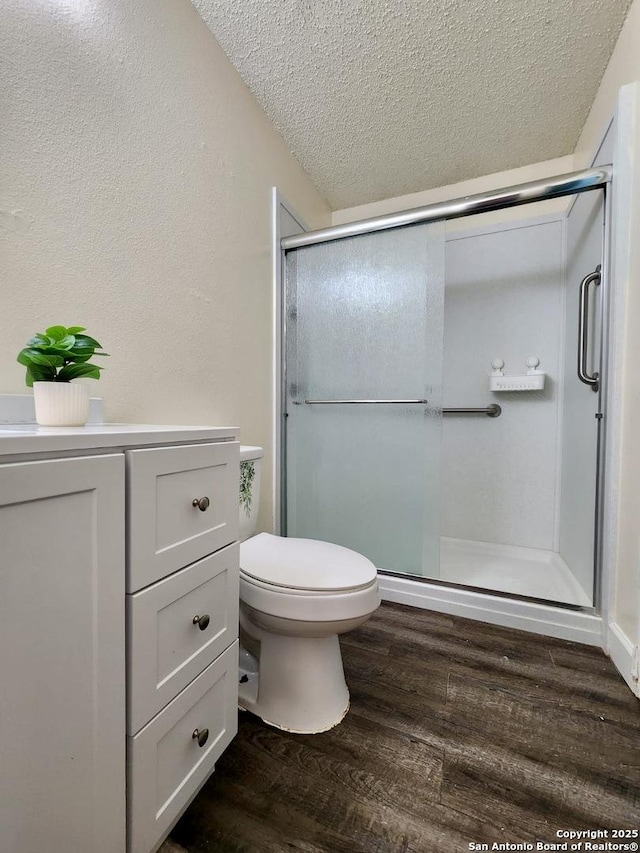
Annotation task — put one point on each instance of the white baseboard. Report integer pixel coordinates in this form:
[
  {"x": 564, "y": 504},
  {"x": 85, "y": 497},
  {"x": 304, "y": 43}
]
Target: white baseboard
[
  {"x": 526, "y": 616},
  {"x": 624, "y": 656}
]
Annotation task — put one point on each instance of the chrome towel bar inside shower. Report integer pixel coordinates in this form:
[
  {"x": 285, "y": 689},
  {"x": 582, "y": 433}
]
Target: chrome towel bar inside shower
[
  {"x": 365, "y": 402},
  {"x": 493, "y": 410}
]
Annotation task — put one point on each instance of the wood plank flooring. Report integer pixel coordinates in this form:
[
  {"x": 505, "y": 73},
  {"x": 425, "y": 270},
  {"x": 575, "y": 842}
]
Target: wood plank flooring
[{"x": 458, "y": 732}]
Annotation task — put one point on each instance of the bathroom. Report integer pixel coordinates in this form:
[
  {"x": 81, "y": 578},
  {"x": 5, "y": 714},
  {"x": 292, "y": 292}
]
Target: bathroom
[{"x": 147, "y": 182}]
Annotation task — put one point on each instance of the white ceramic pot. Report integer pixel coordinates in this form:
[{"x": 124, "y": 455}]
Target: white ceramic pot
[{"x": 61, "y": 403}]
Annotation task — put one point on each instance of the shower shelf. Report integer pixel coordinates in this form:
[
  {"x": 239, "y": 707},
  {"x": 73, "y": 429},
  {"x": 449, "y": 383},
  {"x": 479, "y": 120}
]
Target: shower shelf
[{"x": 527, "y": 382}]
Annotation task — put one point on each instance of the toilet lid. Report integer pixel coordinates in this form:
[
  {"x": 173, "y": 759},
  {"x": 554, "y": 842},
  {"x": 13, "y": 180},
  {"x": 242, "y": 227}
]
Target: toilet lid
[{"x": 306, "y": 564}]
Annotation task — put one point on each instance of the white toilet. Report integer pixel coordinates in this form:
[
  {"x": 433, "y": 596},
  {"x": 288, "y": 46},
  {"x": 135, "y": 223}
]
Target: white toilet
[{"x": 296, "y": 596}]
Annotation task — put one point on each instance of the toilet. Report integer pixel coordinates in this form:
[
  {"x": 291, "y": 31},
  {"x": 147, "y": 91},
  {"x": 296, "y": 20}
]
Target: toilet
[{"x": 296, "y": 597}]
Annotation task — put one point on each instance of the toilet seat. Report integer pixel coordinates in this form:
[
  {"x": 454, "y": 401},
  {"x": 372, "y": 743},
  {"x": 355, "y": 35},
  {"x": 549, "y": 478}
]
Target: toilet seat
[
  {"x": 304, "y": 566},
  {"x": 276, "y": 589},
  {"x": 315, "y": 591},
  {"x": 334, "y": 607}
]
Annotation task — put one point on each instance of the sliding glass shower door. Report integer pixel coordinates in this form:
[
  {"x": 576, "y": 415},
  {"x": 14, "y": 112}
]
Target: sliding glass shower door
[{"x": 364, "y": 343}]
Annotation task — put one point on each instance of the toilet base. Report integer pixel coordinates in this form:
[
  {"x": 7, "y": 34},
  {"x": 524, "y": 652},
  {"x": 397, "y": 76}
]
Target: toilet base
[
  {"x": 297, "y": 685},
  {"x": 276, "y": 725}
]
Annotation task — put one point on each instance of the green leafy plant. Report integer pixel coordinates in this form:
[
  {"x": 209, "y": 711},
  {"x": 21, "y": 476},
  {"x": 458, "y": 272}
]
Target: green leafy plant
[
  {"x": 60, "y": 354},
  {"x": 247, "y": 473}
]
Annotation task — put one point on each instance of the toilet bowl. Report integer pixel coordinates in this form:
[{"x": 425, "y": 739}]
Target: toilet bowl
[{"x": 296, "y": 597}]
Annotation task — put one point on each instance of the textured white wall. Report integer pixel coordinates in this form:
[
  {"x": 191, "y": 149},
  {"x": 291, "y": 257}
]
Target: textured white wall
[
  {"x": 503, "y": 299},
  {"x": 135, "y": 200},
  {"x": 623, "y": 67}
]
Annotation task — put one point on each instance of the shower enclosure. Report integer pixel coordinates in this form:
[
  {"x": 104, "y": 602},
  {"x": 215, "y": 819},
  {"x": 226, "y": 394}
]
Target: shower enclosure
[{"x": 418, "y": 428}]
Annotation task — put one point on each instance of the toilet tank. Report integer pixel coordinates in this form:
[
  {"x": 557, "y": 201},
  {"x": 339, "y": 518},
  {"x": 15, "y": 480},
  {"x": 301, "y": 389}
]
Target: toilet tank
[{"x": 250, "y": 469}]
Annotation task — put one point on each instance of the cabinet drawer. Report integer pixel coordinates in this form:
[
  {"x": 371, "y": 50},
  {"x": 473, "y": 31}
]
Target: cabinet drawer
[
  {"x": 166, "y": 531},
  {"x": 166, "y": 765},
  {"x": 166, "y": 649}
]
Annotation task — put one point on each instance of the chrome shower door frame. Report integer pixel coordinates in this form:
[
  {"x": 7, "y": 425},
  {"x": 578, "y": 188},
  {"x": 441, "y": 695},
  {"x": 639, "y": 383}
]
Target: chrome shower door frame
[
  {"x": 597, "y": 178},
  {"x": 603, "y": 396}
]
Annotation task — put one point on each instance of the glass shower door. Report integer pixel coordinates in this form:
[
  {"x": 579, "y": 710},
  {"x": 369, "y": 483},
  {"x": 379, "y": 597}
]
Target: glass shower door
[{"x": 364, "y": 340}]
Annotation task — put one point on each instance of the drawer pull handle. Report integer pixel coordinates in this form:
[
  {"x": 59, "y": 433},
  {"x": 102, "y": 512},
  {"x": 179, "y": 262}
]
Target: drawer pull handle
[
  {"x": 201, "y": 503},
  {"x": 201, "y": 735},
  {"x": 202, "y": 621}
]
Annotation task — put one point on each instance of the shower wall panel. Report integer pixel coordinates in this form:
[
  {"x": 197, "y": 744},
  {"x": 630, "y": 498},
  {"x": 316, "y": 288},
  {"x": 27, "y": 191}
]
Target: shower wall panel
[{"x": 503, "y": 299}]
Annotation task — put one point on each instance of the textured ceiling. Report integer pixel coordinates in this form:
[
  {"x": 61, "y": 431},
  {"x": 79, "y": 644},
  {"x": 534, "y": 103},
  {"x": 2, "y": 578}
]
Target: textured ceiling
[{"x": 377, "y": 98}]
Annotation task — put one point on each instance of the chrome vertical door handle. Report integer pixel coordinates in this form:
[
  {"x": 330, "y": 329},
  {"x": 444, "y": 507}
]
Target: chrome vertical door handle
[{"x": 583, "y": 329}]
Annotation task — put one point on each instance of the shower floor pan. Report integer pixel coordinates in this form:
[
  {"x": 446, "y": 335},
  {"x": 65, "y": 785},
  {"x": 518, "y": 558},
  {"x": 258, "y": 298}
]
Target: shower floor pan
[{"x": 509, "y": 568}]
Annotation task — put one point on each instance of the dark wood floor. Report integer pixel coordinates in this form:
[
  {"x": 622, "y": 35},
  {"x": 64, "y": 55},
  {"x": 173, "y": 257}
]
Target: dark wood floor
[{"x": 458, "y": 732}]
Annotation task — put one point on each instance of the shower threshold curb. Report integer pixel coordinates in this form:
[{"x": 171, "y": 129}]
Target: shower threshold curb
[{"x": 546, "y": 619}]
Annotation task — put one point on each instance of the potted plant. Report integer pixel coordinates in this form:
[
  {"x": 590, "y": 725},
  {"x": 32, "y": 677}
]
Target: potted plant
[{"x": 53, "y": 359}]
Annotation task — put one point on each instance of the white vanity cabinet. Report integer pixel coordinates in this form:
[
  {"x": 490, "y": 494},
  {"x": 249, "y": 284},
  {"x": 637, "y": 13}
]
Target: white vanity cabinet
[
  {"x": 118, "y": 630},
  {"x": 62, "y": 652}
]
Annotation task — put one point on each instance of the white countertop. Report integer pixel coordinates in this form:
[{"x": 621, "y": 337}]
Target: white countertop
[{"x": 31, "y": 438}]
